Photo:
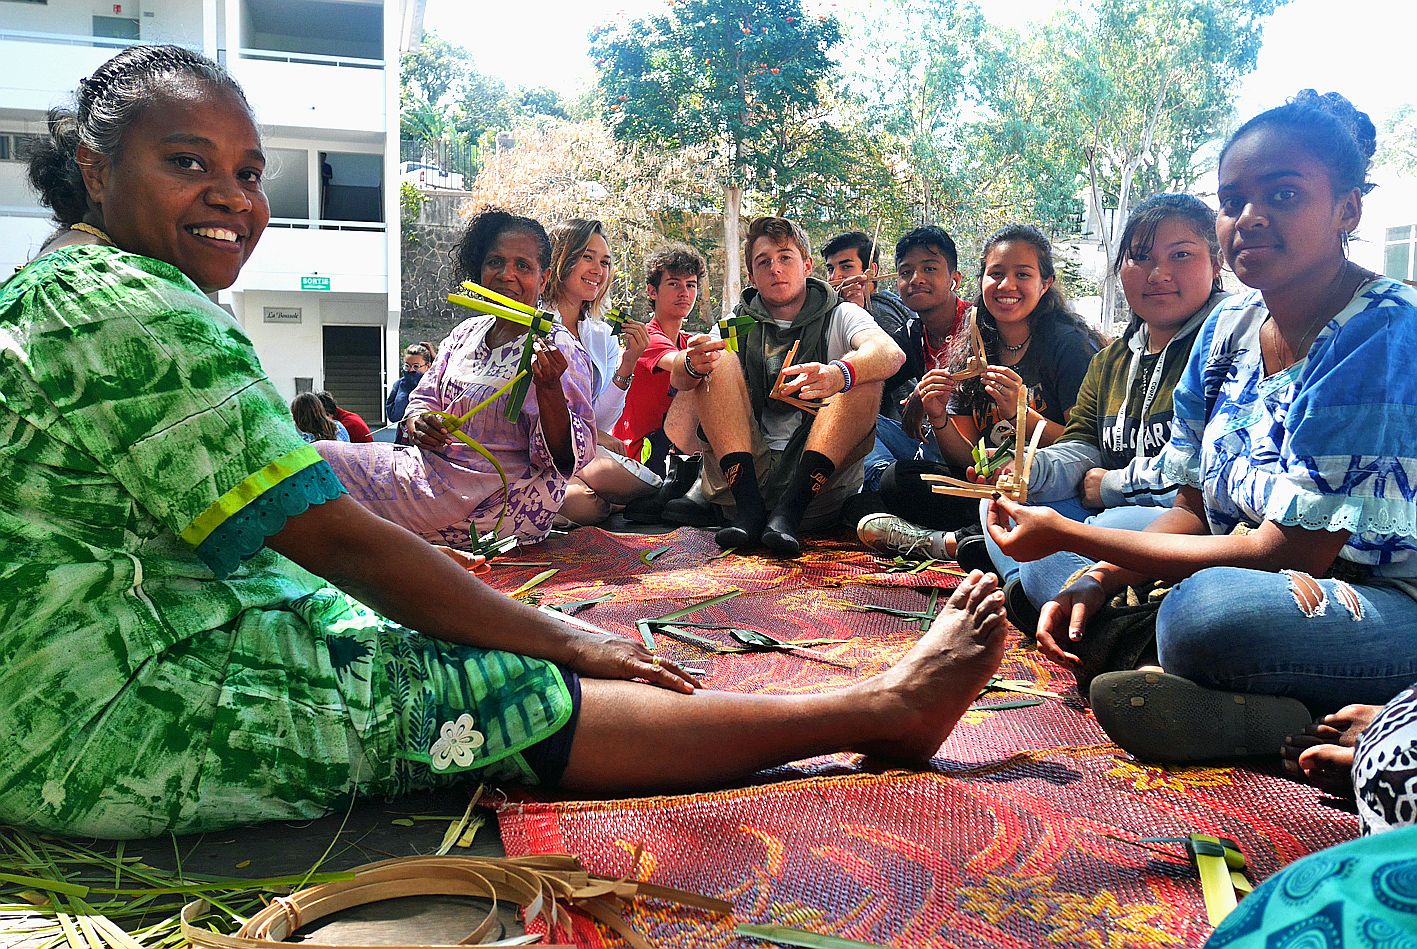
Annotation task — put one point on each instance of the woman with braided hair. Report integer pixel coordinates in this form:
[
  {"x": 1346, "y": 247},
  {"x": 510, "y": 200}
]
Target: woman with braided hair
[{"x": 174, "y": 659}]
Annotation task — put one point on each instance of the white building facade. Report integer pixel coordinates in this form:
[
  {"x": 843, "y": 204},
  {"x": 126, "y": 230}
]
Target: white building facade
[{"x": 320, "y": 295}]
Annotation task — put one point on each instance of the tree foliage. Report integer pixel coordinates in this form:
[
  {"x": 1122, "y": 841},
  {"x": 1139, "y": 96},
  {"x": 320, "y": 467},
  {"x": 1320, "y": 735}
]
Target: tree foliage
[
  {"x": 914, "y": 111},
  {"x": 645, "y": 195},
  {"x": 1154, "y": 81},
  {"x": 447, "y": 103},
  {"x": 719, "y": 74},
  {"x": 742, "y": 80},
  {"x": 1397, "y": 141}
]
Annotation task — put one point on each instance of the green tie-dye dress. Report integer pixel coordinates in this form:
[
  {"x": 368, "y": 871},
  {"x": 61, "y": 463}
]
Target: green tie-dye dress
[{"x": 160, "y": 669}]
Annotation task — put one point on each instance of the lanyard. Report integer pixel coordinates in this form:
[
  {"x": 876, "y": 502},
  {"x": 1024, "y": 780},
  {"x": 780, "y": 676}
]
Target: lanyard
[{"x": 1119, "y": 425}]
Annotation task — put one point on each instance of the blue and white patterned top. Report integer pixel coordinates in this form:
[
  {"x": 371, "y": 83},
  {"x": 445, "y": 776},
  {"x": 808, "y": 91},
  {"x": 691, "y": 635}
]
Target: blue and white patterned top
[{"x": 1328, "y": 444}]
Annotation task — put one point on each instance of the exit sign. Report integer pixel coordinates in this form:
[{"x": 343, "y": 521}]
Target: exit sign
[{"x": 314, "y": 283}]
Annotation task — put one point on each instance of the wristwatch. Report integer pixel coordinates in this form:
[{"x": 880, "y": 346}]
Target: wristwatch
[{"x": 622, "y": 381}]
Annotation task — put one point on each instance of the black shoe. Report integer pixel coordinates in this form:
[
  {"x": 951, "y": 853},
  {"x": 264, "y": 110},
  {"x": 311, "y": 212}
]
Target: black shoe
[
  {"x": 680, "y": 474},
  {"x": 1020, "y": 609},
  {"x": 689, "y": 512},
  {"x": 1160, "y": 717},
  {"x": 971, "y": 552}
]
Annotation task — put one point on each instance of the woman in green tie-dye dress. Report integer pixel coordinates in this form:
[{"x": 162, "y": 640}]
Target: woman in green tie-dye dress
[{"x": 171, "y": 658}]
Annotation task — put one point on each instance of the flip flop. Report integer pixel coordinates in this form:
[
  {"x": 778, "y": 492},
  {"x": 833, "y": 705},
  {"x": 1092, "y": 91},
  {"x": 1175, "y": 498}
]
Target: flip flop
[{"x": 1160, "y": 717}]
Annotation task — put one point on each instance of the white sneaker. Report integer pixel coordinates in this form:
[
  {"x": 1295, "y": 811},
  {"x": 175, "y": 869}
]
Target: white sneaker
[{"x": 890, "y": 534}]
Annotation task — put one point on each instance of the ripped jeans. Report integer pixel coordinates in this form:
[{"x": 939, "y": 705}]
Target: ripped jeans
[{"x": 1326, "y": 643}]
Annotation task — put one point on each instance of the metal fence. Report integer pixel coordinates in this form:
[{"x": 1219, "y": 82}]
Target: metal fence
[{"x": 462, "y": 158}]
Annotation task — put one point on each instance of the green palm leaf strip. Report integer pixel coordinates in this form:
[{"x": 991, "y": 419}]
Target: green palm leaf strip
[
  {"x": 1003, "y": 706},
  {"x": 576, "y": 606},
  {"x": 650, "y": 556},
  {"x": 733, "y": 329},
  {"x": 787, "y": 936},
  {"x": 537, "y": 322},
  {"x": 645, "y": 625},
  {"x": 454, "y": 423},
  {"x": 533, "y": 583},
  {"x": 695, "y": 607},
  {"x": 684, "y": 636}
]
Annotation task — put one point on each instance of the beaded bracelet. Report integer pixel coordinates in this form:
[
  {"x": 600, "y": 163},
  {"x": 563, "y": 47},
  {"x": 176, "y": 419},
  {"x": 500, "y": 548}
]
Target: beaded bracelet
[{"x": 846, "y": 373}]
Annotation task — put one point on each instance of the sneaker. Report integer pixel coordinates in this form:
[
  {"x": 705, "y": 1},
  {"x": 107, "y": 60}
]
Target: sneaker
[
  {"x": 1161, "y": 717},
  {"x": 888, "y": 534}
]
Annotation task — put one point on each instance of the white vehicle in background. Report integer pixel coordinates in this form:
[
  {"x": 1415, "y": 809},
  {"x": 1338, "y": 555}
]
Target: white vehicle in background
[{"x": 423, "y": 175}]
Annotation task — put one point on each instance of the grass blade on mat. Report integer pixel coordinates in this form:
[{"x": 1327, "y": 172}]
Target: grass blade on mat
[
  {"x": 695, "y": 607},
  {"x": 787, "y": 936},
  {"x": 533, "y": 583}
]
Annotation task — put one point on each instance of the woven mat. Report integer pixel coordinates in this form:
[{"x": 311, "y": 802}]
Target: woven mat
[{"x": 1006, "y": 841}]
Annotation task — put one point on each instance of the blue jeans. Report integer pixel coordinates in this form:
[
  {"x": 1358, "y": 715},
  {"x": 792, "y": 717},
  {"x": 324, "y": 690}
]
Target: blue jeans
[
  {"x": 892, "y": 445},
  {"x": 1233, "y": 628},
  {"x": 1042, "y": 579}
]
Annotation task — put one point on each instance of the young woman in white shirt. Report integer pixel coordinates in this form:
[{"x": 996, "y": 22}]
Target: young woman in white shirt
[{"x": 581, "y": 273}]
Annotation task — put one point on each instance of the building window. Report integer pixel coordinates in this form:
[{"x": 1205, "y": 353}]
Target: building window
[
  {"x": 116, "y": 27},
  {"x": 287, "y": 183},
  {"x": 325, "y": 28},
  {"x": 15, "y": 146},
  {"x": 1399, "y": 250}
]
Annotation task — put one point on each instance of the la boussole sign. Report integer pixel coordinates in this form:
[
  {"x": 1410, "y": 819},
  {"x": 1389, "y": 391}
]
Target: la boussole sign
[{"x": 314, "y": 283}]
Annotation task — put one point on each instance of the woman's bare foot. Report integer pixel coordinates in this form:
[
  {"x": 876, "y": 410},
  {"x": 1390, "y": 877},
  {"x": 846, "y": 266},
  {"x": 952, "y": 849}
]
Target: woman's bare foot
[
  {"x": 919, "y": 699},
  {"x": 1322, "y": 754}
]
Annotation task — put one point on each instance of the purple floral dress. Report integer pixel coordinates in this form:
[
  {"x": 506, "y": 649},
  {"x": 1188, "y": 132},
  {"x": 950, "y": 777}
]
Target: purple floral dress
[{"x": 436, "y": 494}]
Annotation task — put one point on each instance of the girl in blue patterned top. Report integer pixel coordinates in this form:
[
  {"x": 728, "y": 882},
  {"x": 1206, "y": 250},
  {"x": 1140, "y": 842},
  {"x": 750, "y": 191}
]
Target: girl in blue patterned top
[{"x": 1293, "y": 436}]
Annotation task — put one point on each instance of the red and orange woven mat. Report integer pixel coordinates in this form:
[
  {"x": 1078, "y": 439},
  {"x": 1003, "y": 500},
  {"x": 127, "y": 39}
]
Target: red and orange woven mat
[{"x": 1009, "y": 840}]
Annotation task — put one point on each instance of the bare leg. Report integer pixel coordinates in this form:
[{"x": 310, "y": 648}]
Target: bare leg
[
  {"x": 723, "y": 407},
  {"x": 633, "y": 737},
  {"x": 681, "y": 424},
  {"x": 583, "y": 505},
  {"x": 844, "y": 422},
  {"x": 1322, "y": 754}
]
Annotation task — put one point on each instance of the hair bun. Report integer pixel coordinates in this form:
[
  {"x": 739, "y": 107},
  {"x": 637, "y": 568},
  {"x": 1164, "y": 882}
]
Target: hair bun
[
  {"x": 1357, "y": 122},
  {"x": 54, "y": 173}
]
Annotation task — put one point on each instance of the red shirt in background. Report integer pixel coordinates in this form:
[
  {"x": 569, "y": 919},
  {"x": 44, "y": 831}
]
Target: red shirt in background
[
  {"x": 648, "y": 400},
  {"x": 358, "y": 429}
]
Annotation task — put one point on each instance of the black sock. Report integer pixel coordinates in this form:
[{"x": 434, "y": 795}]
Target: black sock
[
  {"x": 809, "y": 478},
  {"x": 742, "y": 477}
]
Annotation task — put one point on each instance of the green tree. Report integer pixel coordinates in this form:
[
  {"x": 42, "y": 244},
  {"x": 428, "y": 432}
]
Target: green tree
[
  {"x": 967, "y": 114},
  {"x": 1397, "y": 141},
  {"x": 541, "y": 101},
  {"x": 483, "y": 104},
  {"x": 722, "y": 75},
  {"x": 1154, "y": 81},
  {"x": 430, "y": 79}
]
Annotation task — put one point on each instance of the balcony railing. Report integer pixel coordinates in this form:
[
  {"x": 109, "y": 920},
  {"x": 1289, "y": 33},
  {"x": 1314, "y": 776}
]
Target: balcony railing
[
  {"x": 321, "y": 225},
  {"x": 69, "y": 39},
  {"x": 284, "y": 56}
]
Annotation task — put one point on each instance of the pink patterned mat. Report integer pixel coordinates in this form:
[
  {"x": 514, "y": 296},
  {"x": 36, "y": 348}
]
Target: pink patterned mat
[{"x": 1007, "y": 841}]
